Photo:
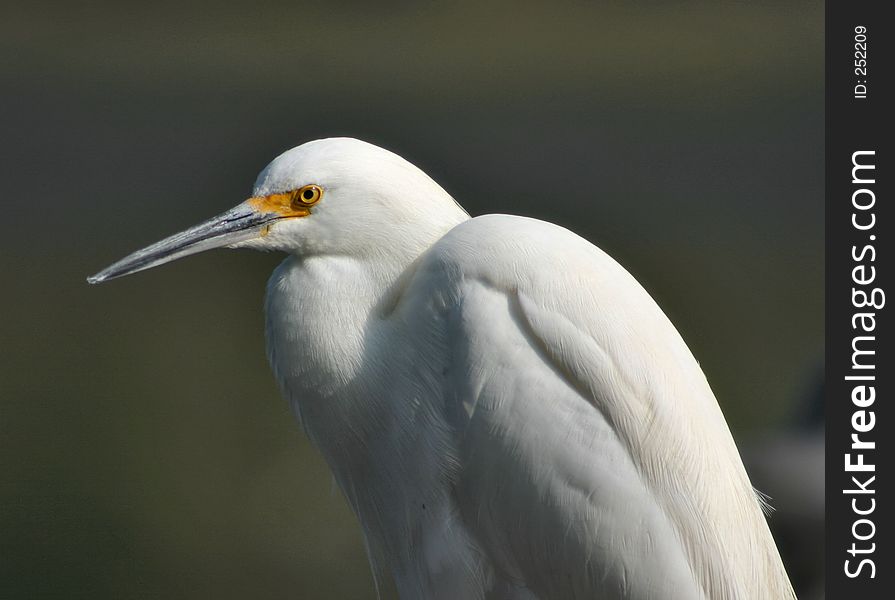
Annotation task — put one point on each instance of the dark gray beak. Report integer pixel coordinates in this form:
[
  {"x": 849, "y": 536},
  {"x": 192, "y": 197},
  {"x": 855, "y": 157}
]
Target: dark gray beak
[{"x": 239, "y": 224}]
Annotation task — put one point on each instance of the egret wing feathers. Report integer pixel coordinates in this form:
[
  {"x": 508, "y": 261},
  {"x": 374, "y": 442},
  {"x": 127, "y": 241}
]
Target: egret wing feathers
[{"x": 584, "y": 411}]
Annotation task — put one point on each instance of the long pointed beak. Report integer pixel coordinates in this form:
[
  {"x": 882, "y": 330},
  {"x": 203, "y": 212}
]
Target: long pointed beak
[{"x": 238, "y": 224}]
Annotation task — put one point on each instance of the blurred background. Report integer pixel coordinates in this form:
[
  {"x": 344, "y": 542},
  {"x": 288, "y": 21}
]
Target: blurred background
[{"x": 144, "y": 449}]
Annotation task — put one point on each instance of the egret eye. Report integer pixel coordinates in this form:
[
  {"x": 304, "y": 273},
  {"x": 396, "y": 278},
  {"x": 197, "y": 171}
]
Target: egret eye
[{"x": 307, "y": 195}]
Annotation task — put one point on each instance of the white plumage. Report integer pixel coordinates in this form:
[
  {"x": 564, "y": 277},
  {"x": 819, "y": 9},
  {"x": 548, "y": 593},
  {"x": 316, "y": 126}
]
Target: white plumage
[{"x": 508, "y": 412}]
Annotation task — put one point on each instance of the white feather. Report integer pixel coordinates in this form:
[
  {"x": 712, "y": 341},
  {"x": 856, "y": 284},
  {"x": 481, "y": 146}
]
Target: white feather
[{"x": 508, "y": 409}]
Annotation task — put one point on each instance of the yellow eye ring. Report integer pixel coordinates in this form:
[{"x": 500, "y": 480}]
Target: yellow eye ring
[{"x": 306, "y": 196}]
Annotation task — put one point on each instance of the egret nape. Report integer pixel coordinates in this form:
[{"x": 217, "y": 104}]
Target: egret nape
[{"x": 507, "y": 411}]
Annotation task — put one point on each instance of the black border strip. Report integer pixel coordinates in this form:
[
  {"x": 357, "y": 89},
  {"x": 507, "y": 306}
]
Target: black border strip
[{"x": 859, "y": 221}]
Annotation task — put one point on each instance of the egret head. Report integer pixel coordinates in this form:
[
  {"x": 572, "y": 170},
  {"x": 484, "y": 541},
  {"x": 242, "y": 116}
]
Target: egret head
[{"x": 333, "y": 196}]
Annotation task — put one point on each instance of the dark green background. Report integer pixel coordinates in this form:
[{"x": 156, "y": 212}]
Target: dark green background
[{"x": 144, "y": 450}]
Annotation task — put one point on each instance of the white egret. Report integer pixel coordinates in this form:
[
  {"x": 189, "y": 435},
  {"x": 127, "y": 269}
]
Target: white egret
[{"x": 507, "y": 411}]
